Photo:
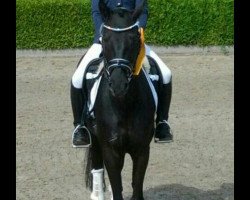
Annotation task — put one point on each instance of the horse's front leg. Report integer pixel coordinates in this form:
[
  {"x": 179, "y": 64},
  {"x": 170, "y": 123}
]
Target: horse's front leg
[
  {"x": 140, "y": 162},
  {"x": 114, "y": 161},
  {"x": 97, "y": 171}
]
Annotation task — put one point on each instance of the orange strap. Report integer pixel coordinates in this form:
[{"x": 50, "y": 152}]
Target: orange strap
[{"x": 141, "y": 55}]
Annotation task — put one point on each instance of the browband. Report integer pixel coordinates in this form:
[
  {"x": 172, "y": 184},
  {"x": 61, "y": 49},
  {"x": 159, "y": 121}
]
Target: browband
[{"x": 121, "y": 29}]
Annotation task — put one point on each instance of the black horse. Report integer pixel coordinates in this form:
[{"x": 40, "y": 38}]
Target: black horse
[{"x": 124, "y": 108}]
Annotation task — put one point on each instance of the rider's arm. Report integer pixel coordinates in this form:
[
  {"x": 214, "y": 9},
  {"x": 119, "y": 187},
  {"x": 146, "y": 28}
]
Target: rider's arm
[
  {"x": 144, "y": 16},
  {"x": 97, "y": 18}
]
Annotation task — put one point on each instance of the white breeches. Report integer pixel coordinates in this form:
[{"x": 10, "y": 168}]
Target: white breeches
[
  {"x": 94, "y": 52},
  {"x": 165, "y": 71}
]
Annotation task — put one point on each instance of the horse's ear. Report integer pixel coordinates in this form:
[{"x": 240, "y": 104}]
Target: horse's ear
[
  {"x": 138, "y": 10},
  {"x": 104, "y": 10}
]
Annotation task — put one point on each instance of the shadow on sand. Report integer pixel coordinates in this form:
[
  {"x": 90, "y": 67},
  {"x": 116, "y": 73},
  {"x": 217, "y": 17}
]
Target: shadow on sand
[{"x": 181, "y": 192}]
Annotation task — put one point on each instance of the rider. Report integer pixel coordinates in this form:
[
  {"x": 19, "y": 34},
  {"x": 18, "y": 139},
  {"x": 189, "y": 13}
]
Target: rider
[{"x": 80, "y": 136}]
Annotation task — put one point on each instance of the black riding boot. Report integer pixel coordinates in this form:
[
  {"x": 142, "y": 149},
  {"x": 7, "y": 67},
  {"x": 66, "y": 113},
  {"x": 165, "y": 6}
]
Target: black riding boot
[
  {"x": 80, "y": 136},
  {"x": 163, "y": 132}
]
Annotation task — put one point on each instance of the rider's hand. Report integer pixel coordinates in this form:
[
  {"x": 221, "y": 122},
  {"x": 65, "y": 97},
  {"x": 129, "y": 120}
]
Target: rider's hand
[{"x": 100, "y": 39}]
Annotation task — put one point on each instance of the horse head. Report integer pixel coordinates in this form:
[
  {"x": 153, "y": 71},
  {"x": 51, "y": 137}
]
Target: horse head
[{"x": 121, "y": 46}]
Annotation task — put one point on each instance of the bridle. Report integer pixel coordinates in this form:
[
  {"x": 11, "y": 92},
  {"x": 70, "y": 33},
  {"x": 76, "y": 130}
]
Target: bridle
[
  {"x": 121, "y": 29},
  {"x": 119, "y": 62}
]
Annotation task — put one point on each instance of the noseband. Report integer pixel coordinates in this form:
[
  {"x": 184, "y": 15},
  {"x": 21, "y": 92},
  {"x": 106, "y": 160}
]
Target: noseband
[{"x": 119, "y": 62}]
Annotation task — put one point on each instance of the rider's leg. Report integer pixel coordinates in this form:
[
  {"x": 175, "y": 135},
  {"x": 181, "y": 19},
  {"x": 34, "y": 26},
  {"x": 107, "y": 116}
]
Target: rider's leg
[
  {"x": 80, "y": 136},
  {"x": 163, "y": 132}
]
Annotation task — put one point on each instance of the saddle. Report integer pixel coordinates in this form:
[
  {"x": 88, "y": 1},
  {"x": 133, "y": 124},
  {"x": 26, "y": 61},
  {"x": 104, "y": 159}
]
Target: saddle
[
  {"x": 93, "y": 75},
  {"x": 91, "y": 81}
]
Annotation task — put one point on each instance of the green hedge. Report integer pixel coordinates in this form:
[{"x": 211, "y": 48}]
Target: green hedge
[{"x": 59, "y": 24}]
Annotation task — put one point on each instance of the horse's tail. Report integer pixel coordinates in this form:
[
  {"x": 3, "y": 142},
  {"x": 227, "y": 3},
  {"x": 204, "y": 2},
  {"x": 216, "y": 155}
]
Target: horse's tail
[
  {"x": 88, "y": 168},
  {"x": 88, "y": 163}
]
